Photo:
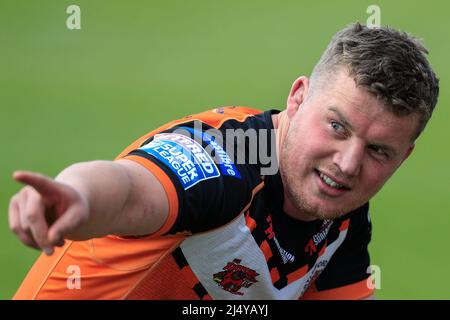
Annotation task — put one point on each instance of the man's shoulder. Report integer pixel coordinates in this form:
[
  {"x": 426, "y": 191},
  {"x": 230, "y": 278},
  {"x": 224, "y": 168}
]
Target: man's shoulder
[
  {"x": 225, "y": 117},
  {"x": 216, "y": 117}
]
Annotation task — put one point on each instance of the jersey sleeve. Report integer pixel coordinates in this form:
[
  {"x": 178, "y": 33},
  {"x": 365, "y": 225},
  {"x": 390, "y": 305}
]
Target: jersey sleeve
[
  {"x": 345, "y": 276},
  {"x": 204, "y": 186}
]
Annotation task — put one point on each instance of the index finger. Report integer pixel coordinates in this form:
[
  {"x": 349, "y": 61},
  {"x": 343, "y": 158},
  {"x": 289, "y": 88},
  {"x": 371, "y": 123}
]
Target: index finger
[{"x": 44, "y": 185}]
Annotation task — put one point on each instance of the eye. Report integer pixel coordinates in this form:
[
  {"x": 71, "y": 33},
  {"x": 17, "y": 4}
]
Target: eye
[
  {"x": 339, "y": 128},
  {"x": 379, "y": 151}
]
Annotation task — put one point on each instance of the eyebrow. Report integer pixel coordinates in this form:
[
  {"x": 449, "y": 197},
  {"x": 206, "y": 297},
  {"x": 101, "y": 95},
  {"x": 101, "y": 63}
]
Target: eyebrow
[
  {"x": 344, "y": 120},
  {"x": 341, "y": 118}
]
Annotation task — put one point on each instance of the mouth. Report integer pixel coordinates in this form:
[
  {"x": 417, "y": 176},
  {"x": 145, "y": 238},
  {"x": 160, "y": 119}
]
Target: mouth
[{"x": 330, "y": 185}]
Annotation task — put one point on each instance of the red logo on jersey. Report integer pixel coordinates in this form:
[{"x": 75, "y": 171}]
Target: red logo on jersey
[
  {"x": 235, "y": 277},
  {"x": 311, "y": 247},
  {"x": 269, "y": 230}
]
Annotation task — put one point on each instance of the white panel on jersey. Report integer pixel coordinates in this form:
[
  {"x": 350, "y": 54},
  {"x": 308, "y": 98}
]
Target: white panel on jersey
[{"x": 208, "y": 253}]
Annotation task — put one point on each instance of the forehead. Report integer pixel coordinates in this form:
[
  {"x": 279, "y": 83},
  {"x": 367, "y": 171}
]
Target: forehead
[{"x": 365, "y": 113}]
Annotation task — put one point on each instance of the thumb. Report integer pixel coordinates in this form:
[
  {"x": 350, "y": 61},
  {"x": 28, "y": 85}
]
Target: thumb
[{"x": 65, "y": 224}]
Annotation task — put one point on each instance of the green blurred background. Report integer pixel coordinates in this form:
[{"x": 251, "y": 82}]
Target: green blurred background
[{"x": 77, "y": 95}]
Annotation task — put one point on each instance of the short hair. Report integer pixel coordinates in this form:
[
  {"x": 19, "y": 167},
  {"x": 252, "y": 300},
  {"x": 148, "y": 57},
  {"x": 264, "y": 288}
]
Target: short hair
[{"x": 390, "y": 64}]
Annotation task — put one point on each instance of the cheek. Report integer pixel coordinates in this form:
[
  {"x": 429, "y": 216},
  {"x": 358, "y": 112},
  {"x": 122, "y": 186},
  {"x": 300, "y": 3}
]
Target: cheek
[
  {"x": 308, "y": 143},
  {"x": 317, "y": 142},
  {"x": 375, "y": 177}
]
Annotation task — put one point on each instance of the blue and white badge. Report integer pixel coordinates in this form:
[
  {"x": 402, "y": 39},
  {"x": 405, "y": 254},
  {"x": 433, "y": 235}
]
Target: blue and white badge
[
  {"x": 226, "y": 165},
  {"x": 184, "y": 156}
]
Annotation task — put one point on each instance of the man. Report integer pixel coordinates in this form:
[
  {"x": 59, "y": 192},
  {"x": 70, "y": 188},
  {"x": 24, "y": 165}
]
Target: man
[{"x": 190, "y": 212}]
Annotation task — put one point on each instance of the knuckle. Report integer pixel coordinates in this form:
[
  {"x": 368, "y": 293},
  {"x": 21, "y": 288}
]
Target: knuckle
[
  {"x": 15, "y": 198},
  {"x": 32, "y": 192},
  {"x": 25, "y": 190},
  {"x": 28, "y": 191},
  {"x": 32, "y": 216},
  {"x": 21, "y": 196},
  {"x": 34, "y": 197}
]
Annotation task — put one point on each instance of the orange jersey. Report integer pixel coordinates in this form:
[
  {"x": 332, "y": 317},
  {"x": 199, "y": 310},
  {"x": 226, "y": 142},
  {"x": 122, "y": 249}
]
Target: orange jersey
[{"x": 226, "y": 235}]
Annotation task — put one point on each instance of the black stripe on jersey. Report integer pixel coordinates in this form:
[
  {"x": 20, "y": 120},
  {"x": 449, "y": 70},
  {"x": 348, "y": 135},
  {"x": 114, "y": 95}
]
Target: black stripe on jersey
[
  {"x": 282, "y": 282},
  {"x": 200, "y": 290},
  {"x": 179, "y": 257},
  {"x": 145, "y": 155},
  {"x": 181, "y": 261}
]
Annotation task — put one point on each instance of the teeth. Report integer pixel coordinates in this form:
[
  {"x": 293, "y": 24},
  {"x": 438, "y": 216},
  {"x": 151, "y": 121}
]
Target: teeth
[{"x": 329, "y": 181}]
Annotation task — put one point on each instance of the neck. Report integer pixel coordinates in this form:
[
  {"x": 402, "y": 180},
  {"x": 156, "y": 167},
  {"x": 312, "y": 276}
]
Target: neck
[{"x": 281, "y": 126}]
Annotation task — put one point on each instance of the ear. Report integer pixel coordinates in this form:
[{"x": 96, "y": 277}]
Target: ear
[
  {"x": 408, "y": 152},
  {"x": 297, "y": 95}
]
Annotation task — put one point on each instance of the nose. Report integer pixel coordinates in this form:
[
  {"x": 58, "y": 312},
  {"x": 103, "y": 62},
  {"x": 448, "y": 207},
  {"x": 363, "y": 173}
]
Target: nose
[{"x": 349, "y": 158}]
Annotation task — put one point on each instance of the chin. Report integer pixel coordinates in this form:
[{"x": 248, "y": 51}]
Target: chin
[
  {"x": 309, "y": 207},
  {"x": 325, "y": 214},
  {"x": 327, "y": 211}
]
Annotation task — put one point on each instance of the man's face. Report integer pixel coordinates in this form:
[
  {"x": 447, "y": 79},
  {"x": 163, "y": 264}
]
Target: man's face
[{"x": 342, "y": 145}]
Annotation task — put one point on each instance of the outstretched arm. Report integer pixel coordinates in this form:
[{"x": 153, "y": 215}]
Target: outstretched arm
[{"x": 87, "y": 200}]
